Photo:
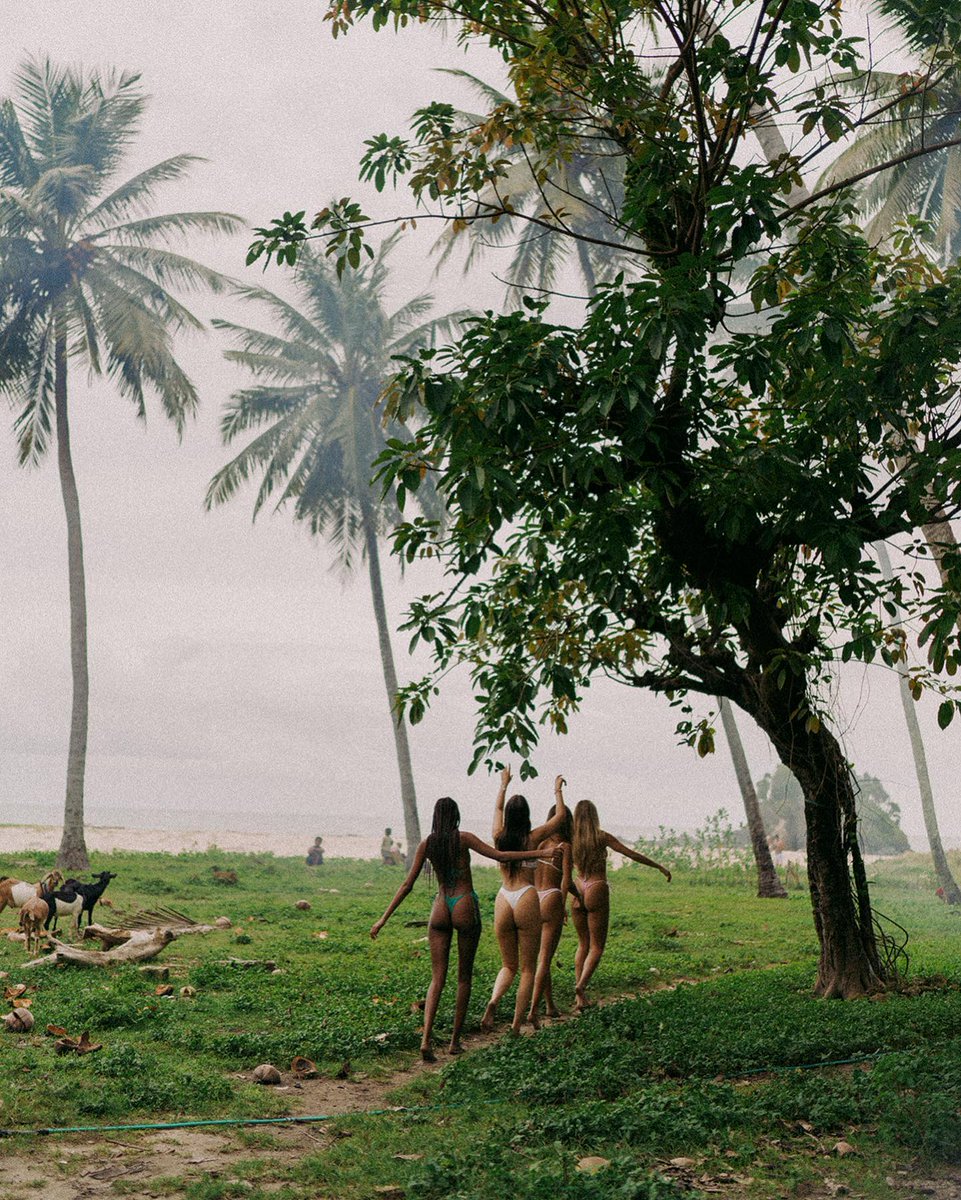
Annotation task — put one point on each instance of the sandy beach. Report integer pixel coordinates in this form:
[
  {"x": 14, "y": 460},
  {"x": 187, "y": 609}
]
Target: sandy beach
[{"x": 104, "y": 838}]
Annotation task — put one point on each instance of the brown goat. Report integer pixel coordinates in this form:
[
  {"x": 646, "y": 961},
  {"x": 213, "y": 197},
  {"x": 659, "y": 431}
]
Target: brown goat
[
  {"x": 13, "y": 892},
  {"x": 33, "y": 916}
]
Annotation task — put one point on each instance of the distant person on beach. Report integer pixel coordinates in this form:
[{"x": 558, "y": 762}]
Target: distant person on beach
[
  {"x": 455, "y": 907},
  {"x": 397, "y": 853},
  {"x": 776, "y": 846},
  {"x": 387, "y": 849},
  {"x": 315, "y": 855},
  {"x": 517, "y": 910},
  {"x": 591, "y": 908}
]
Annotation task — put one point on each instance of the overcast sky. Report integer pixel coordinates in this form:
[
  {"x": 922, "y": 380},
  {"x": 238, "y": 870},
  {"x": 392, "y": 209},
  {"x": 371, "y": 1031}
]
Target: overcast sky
[{"x": 235, "y": 675}]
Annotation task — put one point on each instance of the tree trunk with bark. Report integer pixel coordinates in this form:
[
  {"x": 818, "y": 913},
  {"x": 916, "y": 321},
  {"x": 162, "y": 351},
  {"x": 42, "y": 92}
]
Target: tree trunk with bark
[
  {"x": 72, "y": 854},
  {"x": 407, "y": 793},
  {"x": 952, "y": 893},
  {"x": 849, "y": 964},
  {"x": 769, "y": 886}
]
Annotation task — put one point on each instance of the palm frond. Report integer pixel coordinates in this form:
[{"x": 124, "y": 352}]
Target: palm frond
[
  {"x": 489, "y": 94},
  {"x": 292, "y": 350},
  {"x": 35, "y": 421},
  {"x": 170, "y": 269},
  {"x": 136, "y": 193},
  {"x": 251, "y": 408},
  {"x": 171, "y": 227},
  {"x": 17, "y": 165},
  {"x": 139, "y": 354},
  {"x": 146, "y": 291}
]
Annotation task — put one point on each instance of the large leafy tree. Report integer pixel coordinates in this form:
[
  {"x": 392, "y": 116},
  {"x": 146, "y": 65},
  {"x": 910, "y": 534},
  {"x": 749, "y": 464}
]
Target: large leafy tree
[
  {"x": 583, "y": 187},
  {"x": 86, "y": 278},
  {"x": 660, "y": 494},
  {"x": 318, "y": 418}
]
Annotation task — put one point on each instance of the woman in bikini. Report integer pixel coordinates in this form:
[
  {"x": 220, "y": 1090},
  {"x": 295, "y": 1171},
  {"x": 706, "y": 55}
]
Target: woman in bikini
[
  {"x": 517, "y": 910},
  {"x": 552, "y": 878},
  {"x": 447, "y": 849},
  {"x": 591, "y": 908}
]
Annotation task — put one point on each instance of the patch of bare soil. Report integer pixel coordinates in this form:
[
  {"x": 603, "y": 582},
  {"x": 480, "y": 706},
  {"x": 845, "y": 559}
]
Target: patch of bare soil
[{"x": 84, "y": 1167}]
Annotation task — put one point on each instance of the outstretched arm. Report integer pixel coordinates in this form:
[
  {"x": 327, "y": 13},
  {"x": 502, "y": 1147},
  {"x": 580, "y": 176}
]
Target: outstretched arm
[
  {"x": 404, "y": 890},
  {"x": 498, "y": 826},
  {"x": 560, "y": 812},
  {"x": 614, "y": 843},
  {"x": 473, "y": 842}
]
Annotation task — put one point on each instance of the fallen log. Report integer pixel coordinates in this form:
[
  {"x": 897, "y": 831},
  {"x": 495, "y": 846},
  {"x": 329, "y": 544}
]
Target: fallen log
[{"x": 124, "y": 945}]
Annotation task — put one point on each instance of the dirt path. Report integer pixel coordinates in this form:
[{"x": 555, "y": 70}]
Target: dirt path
[{"x": 89, "y": 1167}]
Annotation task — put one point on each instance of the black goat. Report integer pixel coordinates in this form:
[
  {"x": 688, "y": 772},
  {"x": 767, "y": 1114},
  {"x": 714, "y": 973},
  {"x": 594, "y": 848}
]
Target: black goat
[{"x": 91, "y": 892}]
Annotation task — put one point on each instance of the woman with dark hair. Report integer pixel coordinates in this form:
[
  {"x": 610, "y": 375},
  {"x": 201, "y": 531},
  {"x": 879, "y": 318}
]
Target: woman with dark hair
[
  {"x": 517, "y": 910},
  {"x": 552, "y": 879},
  {"x": 447, "y": 848},
  {"x": 591, "y": 908}
]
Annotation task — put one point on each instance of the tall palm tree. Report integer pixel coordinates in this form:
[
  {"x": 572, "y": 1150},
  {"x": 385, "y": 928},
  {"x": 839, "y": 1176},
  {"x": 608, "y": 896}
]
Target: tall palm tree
[
  {"x": 942, "y": 869},
  {"x": 319, "y": 421},
  {"x": 82, "y": 281}
]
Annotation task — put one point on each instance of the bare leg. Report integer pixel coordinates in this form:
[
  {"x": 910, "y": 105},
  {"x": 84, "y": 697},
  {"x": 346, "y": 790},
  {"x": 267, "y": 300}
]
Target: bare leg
[
  {"x": 506, "y": 932},
  {"x": 597, "y": 921},
  {"x": 552, "y": 916},
  {"x": 439, "y": 937},
  {"x": 579, "y": 917},
  {"x": 467, "y": 938},
  {"x": 527, "y": 916}
]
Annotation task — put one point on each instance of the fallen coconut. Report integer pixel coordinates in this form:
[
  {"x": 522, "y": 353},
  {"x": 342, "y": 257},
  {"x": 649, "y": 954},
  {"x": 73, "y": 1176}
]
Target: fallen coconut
[
  {"x": 188, "y": 991},
  {"x": 303, "y": 905},
  {"x": 19, "y": 1021},
  {"x": 266, "y": 1073},
  {"x": 224, "y": 923}
]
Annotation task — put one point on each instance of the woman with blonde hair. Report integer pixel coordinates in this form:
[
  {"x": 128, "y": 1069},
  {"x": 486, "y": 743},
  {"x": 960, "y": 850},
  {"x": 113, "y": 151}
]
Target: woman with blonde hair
[
  {"x": 591, "y": 907},
  {"x": 517, "y": 910}
]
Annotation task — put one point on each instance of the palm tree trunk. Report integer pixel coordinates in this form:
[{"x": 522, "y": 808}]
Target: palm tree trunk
[
  {"x": 952, "y": 893},
  {"x": 769, "y": 886},
  {"x": 407, "y": 794},
  {"x": 73, "y": 849}
]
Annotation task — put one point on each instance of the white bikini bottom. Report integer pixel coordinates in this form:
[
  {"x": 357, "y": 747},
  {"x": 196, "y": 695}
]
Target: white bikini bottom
[
  {"x": 543, "y": 894},
  {"x": 512, "y": 897}
]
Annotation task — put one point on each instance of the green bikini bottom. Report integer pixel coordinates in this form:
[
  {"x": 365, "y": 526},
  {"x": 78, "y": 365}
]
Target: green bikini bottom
[{"x": 453, "y": 901}]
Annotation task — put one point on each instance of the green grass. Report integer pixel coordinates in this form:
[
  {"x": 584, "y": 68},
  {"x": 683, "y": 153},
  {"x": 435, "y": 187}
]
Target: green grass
[{"x": 709, "y": 1056}]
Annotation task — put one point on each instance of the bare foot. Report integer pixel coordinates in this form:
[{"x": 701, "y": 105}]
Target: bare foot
[
  {"x": 427, "y": 1054},
  {"x": 455, "y": 1048},
  {"x": 580, "y": 1000},
  {"x": 535, "y": 1021},
  {"x": 553, "y": 1012},
  {"x": 487, "y": 1020}
]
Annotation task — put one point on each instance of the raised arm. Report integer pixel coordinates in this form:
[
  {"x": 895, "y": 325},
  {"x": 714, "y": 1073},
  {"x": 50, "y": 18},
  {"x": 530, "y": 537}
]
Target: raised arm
[
  {"x": 498, "y": 827},
  {"x": 404, "y": 890},
  {"x": 614, "y": 843},
  {"x": 473, "y": 842},
  {"x": 549, "y": 827}
]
